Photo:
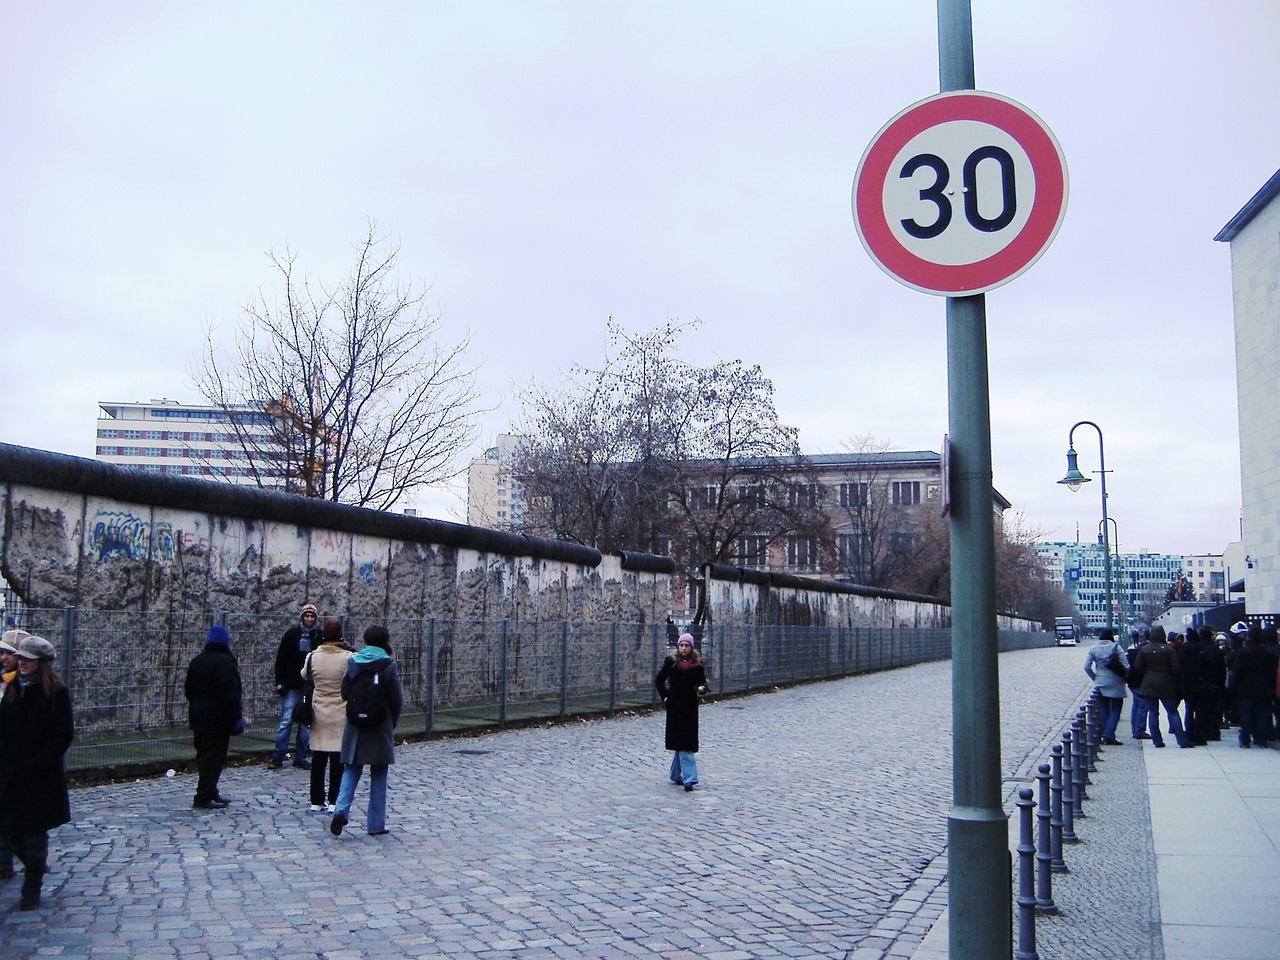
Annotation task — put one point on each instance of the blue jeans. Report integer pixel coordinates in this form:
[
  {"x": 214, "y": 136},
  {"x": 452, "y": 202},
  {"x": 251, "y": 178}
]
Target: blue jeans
[
  {"x": 375, "y": 820},
  {"x": 287, "y": 703},
  {"x": 1138, "y": 716},
  {"x": 684, "y": 767},
  {"x": 1252, "y": 721},
  {"x": 1175, "y": 721},
  {"x": 1110, "y": 715}
]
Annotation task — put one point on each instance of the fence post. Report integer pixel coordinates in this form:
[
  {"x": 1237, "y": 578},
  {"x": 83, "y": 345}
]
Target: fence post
[
  {"x": 613, "y": 665},
  {"x": 1057, "y": 864},
  {"x": 564, "y": 669},
  {"x": 1044, "y": 851},
  {"x": 655, "y": 665},
  {"x": 431, "y": 674},
  {"x": 749, "y": 640},
  {"x": 69, "y": 615},
  {"x": 502, "y": 675},
  {"x": 718, "y": 647},
  {"x": 1026, "y": 879},
  {"x": 1078, "y": 775}
]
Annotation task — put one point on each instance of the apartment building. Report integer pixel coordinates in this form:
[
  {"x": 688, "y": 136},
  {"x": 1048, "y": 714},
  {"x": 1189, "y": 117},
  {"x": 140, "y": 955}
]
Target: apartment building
[
  {"x": 167, "y": 437},
  {"x": 495, "y": 499}
]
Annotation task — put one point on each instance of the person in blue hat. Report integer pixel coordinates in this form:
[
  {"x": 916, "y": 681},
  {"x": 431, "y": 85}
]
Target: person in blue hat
[{"x": 214, "y": 710}]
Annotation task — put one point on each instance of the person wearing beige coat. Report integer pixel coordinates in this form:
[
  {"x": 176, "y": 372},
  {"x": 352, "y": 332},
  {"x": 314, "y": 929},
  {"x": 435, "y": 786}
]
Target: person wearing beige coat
[{"x": 327, "y": 663}]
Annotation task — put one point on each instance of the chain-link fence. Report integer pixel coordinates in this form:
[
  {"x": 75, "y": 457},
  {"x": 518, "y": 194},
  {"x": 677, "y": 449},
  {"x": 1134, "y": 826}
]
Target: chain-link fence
[{"x": 126, "y": 671}]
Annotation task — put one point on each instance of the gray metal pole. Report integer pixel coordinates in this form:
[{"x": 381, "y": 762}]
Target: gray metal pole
[{"x": 978, "y": 864}]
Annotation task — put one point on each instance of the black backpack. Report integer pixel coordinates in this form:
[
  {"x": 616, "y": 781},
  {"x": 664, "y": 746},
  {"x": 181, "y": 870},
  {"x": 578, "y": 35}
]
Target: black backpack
[{"x": 367, "y": 698}]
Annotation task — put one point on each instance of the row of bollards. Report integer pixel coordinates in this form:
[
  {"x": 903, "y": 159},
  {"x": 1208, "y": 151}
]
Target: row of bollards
[{"x": 1047, "y": 819}]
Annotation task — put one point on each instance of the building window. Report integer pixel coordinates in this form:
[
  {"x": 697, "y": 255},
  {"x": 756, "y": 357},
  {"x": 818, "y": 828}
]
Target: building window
[
  {"x": 703, "y": 498},
  {"x": 803, "y": 496},
  {"x": 752, "y": 552},
  {"x": 853, "y": 550},
  {"x": 752, "y": 493},
  {"x": 802, "y": 551},
  {"x": 906, "y": 492},
  {"x": 855, "y": 494}
]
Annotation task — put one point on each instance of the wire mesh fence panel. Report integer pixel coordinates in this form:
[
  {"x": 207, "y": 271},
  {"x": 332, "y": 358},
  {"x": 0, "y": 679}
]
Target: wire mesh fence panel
[{"x": 126, "y": 670}]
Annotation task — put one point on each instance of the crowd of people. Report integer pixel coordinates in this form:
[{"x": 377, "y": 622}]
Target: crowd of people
[{"x": 1203, "y": 681}]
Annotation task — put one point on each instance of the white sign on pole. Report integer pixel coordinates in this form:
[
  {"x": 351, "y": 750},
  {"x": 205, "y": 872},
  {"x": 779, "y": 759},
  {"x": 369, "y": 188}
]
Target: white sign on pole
[{"x": 960, "y": 193}]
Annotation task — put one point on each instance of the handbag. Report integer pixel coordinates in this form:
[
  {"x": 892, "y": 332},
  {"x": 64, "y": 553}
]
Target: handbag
[
  {"x": 304, "y": 712},
  {"x": 1116, "y": 665}
]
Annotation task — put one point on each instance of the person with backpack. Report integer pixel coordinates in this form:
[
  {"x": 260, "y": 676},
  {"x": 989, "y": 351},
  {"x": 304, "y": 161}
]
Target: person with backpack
[
  {"x": 371, "y": 688},
  {"x": 1109, "y": 680}
]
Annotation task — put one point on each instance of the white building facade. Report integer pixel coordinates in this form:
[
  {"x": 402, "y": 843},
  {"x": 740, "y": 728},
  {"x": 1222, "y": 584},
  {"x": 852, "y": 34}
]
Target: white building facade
[
  {"x": 1254, "y": 236},
  {"x": 167, "y": 437}
]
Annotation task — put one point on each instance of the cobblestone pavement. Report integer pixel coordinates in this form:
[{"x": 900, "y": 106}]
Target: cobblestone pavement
[{"x": 818, "y": 831}]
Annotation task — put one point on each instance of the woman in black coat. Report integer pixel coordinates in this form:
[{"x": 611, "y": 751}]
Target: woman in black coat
[
  {"x": 36, "y": 730},
  {"x": 680, "y": 682}
]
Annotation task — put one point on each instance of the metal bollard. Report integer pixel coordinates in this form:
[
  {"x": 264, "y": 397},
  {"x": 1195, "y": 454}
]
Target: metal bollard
[
  {"x": 1068, "y": 791},
  {"x": 1095, "y": 727},
  {"x": 1044, "y": 854},
  {"x": 1026, "y": 880},
  {"x": 1090, "y": 745},
  {"x": 1057, "y": 864},
  {"x": 1078, "y": 775},
  {"x": 1081, "y": 747}
]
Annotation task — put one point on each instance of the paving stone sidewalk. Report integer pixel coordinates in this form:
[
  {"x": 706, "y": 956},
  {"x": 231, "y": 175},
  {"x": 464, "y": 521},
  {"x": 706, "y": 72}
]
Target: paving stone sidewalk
[{"x": 818, "y": 830}]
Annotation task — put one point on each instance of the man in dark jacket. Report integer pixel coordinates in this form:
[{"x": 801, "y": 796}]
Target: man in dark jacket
[
  {"x": 213, "y": 693},
  {"x": 1253, "y": 678},
  {"x": 1194, "y": 673},
  {"x": 297, "y": 642}
]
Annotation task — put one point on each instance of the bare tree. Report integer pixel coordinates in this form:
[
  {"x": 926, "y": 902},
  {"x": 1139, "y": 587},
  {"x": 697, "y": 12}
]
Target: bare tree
[
  {"x": 874, "y": 536},
  {"x": 651, "y": 453},
  {"x": 344, "y": 394}
]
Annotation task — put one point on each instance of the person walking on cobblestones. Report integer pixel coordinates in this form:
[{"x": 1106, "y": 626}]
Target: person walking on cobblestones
[
  {"x": 680, "y": 682},
  {"x": 213, "y": 693},
  {"x": 1158, "y": 666},
  {"x": 8, "y": 673},
  {"x": 297, "y": 642},
  {"x": 326, "y": 665},
  {"x": 36, "y": 730},
  {"x": 371, "y": 668},
  {"x": 1111, "y": 687}
]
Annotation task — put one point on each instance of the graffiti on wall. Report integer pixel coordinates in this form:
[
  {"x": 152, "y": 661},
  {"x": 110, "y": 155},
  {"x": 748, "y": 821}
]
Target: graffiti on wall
[{"x": 118, "y": 534}]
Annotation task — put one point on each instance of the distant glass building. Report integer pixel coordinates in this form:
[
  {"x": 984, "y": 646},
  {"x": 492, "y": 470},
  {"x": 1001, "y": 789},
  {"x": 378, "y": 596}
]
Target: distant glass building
[{"x": 1140, "y": 581}]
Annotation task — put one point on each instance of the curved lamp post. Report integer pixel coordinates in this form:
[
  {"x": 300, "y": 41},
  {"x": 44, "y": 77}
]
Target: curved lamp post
[{"x": 1073, "y": 481}]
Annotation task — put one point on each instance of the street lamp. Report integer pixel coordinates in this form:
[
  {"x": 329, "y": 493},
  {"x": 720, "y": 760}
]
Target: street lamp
[
  {"x": 1118, "y": 570},
  {"x": 1073, "y": 481}
]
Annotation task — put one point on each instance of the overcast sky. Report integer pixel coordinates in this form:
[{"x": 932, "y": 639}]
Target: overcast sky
[{"x": 547, "y": 165}]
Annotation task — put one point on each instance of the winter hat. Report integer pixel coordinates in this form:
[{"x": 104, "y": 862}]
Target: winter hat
[
  {"x": 218, "y": 634},
  {"x": 685, "y": 638},
  {"x": 11, "y": 640},
  {"x": 309, "y": 608},
  {"x": 36, "y": 648},
  {"x": 332, "y": 632}
]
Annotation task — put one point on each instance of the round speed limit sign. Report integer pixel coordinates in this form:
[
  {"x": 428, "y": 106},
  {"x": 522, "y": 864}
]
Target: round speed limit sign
[{"x": 960, "y": 193}]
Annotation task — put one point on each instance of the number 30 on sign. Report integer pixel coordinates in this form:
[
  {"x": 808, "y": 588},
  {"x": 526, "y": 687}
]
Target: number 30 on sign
[{"x": 960, "y": 193}]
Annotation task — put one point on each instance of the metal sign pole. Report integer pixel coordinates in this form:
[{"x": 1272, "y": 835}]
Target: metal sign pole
[{"x": 978, "y": 865}]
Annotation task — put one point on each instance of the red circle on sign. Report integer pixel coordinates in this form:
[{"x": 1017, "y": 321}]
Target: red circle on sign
[{"x": 1020, "y": 252}]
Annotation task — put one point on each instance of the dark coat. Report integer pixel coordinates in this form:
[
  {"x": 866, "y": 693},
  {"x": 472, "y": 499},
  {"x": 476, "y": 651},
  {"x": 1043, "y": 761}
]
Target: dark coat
[
  {"x": 1158, "y": 665},
  {"x": 377, "y": 745},
  {"x": 678, "y": 686},
  {"x": 1252, "y": 673},
  {"x": 290, "y": 656},
  {"x": 35, "y": 734},
  {"x": 213, "y": 690},
  {"x": 1194, "y": 668}
]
